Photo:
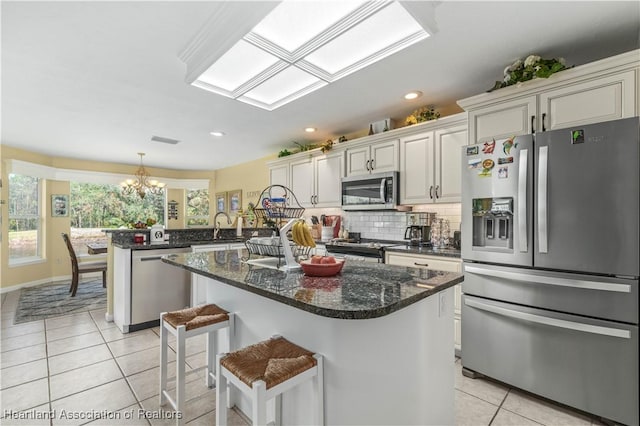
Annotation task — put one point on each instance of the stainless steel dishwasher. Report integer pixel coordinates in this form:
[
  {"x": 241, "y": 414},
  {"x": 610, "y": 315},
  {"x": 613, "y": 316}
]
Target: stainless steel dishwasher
[{"x": 156, "y": 287}]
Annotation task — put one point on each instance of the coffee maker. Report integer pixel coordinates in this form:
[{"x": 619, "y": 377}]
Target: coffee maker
[{"x": 418, "y": 230}]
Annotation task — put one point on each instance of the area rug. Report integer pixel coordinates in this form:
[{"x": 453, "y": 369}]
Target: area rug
[{"x": 53, "y": 300}]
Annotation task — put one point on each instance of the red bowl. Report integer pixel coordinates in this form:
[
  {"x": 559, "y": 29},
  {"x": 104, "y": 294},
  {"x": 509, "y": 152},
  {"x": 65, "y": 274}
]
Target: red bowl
[{"x": 321, "y": 269}]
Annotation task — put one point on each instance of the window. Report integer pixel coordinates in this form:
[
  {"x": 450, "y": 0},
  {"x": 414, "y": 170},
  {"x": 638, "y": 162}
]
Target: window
[
  {"x": 95, "y": 207},
  {"x": 25, "y": 223},
  {"x": 197, "y": 207}
]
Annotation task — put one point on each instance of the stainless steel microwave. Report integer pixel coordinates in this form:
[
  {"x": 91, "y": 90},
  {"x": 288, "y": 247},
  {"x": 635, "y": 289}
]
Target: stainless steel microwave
[{"x": 370, "y": 192}]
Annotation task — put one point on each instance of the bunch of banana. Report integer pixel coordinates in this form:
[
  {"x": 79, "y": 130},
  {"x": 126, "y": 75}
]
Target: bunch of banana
[{"x": 301, "y": 235}]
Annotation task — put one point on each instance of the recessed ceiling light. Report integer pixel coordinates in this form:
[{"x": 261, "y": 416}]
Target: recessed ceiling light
[
  {"x": 310, "y": 129},
  {"x": 300, "y": 47},
  {"x": 413, "y": 95},
  {"x": 217, "y": 133}
]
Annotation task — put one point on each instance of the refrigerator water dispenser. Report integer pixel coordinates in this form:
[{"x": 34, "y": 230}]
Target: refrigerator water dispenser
[{"x": 493, "y": 223}]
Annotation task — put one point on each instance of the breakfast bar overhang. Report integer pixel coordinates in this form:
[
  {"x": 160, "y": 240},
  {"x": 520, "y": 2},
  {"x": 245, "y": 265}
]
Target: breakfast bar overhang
[{"x": 386, "y": 333}]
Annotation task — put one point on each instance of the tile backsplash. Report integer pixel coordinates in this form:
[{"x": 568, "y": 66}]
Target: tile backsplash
[{"x": 390, "y": 225}]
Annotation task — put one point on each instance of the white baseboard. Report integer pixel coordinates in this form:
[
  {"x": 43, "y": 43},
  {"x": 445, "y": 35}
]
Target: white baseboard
[{"x": 52, "y": 280}]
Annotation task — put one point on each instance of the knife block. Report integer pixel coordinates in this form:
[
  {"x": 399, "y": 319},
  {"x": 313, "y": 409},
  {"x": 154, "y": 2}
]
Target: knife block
[{"x": 316, "y": 232}]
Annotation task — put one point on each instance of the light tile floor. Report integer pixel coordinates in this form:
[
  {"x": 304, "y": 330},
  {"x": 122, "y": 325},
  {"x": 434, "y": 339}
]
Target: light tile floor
[{"x": 82, "y": 365}]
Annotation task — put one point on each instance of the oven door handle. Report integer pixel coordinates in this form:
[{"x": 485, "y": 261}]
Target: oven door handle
[
  {"x": 383, "y": 190},
  {"x": 528, "y": 278},
  {"x": 552, "y": 322}
]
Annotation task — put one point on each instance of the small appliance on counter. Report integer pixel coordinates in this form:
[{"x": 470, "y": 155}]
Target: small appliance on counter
[
  {"x": 157, "y": 234},
  {"x": 457, "y": 239},
  {"x": 418, "y": 230}
]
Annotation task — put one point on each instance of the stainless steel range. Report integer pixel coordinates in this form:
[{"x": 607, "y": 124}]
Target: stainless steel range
[{"x": 368, "y": 251}]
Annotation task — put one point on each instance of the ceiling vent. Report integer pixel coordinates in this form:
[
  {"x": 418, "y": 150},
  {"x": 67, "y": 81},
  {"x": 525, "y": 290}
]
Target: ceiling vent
[{"x": 164, "y": 140}]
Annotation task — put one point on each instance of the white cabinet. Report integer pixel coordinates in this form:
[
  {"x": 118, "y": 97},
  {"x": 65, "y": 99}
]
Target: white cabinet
[
  {"x": 510, "y": 118},
  {"x": 313, "y": 179},
  {"x": 430, "y": 164},
  {"x": 198, "y": 282},
  {"x": 373, "y": 158},
  {"x": 440, "y": 263},
  {"x": 600, "y": 91},
  {"x": 608, "y": 98},
  {"x": 279, "y": 174},
  {"x": 301, "y": 182},
  {"x": 447, "y": 164},
  {"x": 328, "y": 170}
]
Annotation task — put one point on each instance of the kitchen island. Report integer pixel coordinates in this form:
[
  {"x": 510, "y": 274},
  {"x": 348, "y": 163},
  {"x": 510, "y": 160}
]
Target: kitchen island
[{"x": 386, "y": 333}]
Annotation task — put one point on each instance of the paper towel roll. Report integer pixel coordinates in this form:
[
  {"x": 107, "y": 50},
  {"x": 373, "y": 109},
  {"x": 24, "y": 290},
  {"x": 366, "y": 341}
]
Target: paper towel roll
[{"x": 327, "y": 233}]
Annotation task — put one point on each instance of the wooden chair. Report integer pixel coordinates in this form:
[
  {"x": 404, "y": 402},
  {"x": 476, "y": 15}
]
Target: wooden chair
[{"x": 81, "y": 268}]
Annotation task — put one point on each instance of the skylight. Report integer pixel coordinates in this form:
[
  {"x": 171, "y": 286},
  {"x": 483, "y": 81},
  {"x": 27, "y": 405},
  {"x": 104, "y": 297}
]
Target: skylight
[{"x": 301, "y": 46}]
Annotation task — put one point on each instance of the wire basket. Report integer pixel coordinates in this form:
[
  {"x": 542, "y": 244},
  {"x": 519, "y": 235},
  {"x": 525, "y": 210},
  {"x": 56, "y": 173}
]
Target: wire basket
[
  {"x": 274, "y": 250},
  {"x": 278, "y": 202}
]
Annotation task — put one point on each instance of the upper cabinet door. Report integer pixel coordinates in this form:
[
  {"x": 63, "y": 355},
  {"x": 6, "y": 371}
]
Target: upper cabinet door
[
  {"x": 385, "y": 157},
  {"x": 329, "y": 169},
  {"x": 448, "y": 146},
  {"x": 358, "y": 161},
  {"x": 416, "y": 171},
  {"x": 302, "y": 181},
  {"x": 279, "y": 174},
  {"x": 374, "y": 158},
  {"x": 511, "y": 118},
  {"x": 604, "y": 99}
]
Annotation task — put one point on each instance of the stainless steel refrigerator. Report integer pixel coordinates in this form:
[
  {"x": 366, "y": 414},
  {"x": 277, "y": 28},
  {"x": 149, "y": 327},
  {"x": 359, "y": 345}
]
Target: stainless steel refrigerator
[{"x": 551, "y": 248}]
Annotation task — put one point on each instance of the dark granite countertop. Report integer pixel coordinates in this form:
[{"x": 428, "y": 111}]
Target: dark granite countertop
[
  {"x": 170, "y": 245},
  {"x": 362, "y": 290},
  {"x": 427, "y": 251}
]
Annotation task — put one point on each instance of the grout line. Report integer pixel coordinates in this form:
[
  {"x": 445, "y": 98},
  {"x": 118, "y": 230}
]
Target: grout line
[{"x": 46, "y": 354}]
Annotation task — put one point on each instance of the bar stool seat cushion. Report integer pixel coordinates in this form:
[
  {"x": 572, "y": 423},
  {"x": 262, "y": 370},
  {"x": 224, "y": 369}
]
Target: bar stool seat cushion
[
  {"x": 273, "y": 361},
  {"x": 196, "y": 317}
]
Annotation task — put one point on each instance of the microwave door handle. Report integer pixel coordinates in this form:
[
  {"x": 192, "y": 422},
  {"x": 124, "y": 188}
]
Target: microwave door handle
[
  {"x": 522, "y": 199},
  {"x": 543, "y": 243},
  {"x": 383, "y": 190}
]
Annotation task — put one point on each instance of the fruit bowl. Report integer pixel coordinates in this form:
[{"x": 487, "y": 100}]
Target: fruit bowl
[{"x": 322, "y": 269}]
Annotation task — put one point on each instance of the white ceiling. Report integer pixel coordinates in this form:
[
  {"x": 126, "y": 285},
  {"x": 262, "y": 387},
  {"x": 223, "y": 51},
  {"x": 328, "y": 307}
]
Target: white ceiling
[{"x": 96, "y": 80}]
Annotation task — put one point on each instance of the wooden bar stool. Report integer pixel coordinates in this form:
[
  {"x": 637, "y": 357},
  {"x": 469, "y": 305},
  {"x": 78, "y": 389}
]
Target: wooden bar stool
[
  {"x": 265, "y": 371},
  {"x": 184, "y": 324}
]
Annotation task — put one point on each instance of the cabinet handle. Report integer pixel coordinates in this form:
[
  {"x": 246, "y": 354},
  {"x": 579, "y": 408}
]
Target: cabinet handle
[
  {"x": 544, "y": 115},
  {"x": 533, "y": 129},
  {"x": 421, "y": 264},
  {"x": 367, "y": 165},
  {"x": 437, "y": 190},
  {"x": 372, "y": 164},
  {"x": 431, "y": 192},
  {"x": 316, "y": 199}
]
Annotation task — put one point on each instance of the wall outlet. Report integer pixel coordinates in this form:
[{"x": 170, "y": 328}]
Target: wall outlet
[{"x": 442, "y": 300}]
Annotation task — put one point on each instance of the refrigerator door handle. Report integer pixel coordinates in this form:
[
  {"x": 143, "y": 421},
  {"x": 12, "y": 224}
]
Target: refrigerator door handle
[
  {"x": 522, "y": 200},
  {"x": 552, "y": 322},
  {"x": 541, "y": 279},
  {"x": 543, "y": 243}
]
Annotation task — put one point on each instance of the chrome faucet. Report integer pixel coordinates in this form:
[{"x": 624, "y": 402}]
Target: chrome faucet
[{"x": 216, "y": 230}]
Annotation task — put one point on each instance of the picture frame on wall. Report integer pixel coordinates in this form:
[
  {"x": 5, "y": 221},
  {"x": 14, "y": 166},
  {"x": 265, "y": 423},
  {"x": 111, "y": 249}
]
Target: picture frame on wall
[
  {"x": 221, "y": 202},
  {"x": 59, "y": 205},
  {"x": 235, "y": 201}
]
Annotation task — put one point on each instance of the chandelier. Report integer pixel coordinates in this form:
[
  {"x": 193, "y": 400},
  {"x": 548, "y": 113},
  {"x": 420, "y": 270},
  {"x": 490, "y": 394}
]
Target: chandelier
[{"x": 142, "y": 184}]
